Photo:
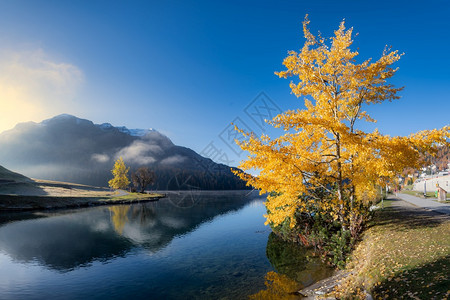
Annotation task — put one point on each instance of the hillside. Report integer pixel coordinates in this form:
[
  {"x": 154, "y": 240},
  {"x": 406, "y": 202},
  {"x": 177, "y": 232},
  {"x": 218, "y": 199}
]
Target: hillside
[
  {"x": 442, "y": 159},
  {"x": 8, "y": 176},
  {"x": 67, "y": 148}
]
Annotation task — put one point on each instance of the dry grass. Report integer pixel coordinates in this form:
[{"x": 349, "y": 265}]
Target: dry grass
[
  {"x": 404, "y": 254},
  {"x": 44, "y": 194}
]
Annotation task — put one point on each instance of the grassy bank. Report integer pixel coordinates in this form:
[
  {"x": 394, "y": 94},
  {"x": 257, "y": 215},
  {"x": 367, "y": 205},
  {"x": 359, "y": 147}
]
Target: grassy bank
[
  {"x": 20, "y": 202},
  {"x": 418, "y": 194},
  {"x": 36, "y": 194},
  {"x": 404, "y": 254}
]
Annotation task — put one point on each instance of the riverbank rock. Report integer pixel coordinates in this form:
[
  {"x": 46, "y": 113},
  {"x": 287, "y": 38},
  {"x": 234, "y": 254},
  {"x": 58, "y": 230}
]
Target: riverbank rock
[{"x": 319, "y": 289}]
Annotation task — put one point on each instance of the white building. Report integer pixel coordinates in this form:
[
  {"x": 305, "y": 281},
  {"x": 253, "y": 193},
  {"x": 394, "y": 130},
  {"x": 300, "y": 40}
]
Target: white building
[{"x": 430, "y": 183}]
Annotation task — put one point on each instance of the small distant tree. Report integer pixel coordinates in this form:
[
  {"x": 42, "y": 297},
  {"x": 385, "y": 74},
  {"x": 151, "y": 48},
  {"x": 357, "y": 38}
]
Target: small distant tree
[
  {"x": 120, "y": 172},
  {"x": 142, "y": 178}
]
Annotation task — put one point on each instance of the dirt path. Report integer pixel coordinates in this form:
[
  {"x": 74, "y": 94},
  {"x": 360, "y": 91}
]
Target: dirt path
[{"x": 121, "y": 193}]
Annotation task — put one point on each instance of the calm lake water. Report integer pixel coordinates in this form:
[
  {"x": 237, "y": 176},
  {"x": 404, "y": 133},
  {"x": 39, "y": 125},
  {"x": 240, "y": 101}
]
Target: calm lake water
[{"x": 203, "y": 245}]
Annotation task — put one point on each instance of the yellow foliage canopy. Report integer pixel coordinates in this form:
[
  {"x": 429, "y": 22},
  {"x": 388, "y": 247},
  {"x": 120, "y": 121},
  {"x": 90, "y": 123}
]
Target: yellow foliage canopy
[
  {"x": 322, "y": 160},
  {"x": 120, "y": 172}
]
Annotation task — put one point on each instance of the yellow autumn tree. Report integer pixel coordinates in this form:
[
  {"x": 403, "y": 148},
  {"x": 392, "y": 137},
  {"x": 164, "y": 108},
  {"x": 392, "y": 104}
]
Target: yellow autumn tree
[
  {"x": 120, "y": 172},
  {"x": 323, "y": 163}
]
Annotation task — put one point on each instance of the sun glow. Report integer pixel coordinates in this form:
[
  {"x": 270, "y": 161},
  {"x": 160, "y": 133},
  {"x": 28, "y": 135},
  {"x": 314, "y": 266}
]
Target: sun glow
[{"x": 33, "y": 86}]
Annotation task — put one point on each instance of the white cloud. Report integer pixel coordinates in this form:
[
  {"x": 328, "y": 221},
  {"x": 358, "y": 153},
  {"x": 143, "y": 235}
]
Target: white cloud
[
  {"x": 101, "y": 158},
  {"x": 139, "y": 152},
  {"x": 172, "y": 160},
  {"x": 33, "y": 86}
]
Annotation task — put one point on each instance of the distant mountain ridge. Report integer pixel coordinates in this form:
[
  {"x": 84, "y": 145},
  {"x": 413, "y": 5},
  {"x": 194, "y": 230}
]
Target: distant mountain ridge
[
  {"x": 68, "y": 148},
  {"x": 132, "y": 132},
  {"x": 8, "y": 175},
  {"x": 103, "y": 126}
]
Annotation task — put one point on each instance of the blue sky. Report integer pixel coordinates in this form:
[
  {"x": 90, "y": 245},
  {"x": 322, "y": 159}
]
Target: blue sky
[{"x": 189, "y": 68}]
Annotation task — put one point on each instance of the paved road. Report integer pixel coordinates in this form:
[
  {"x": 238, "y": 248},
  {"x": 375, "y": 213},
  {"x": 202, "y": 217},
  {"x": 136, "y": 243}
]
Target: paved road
[{"x": 442, "y": 208}]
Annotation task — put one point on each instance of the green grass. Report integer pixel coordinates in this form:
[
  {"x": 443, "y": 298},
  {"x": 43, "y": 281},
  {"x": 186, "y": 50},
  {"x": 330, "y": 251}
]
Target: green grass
[
  {"x": 404, "y": 254},
  {"x": 18, "y": 192},
  {"x": 418, "y": 194},
  {"x": 134, "y": 197},
  {"x": 24, "y": 202},
  {"x": 408, "y": 187}
]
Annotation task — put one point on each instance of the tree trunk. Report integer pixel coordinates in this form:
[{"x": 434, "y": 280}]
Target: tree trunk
[{"x": 339, "y": 182}]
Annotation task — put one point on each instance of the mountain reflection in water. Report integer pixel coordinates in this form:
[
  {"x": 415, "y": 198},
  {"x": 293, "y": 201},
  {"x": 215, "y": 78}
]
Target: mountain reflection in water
[
  {"x": 65, "y": 240},
  {"x": 191, "y": 245}
]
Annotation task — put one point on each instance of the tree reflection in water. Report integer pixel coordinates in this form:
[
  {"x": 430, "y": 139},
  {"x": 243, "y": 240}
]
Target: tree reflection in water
[
  {"x": 296, "y": 267},
  {"x": 119, "y": 217},
  {"x": 278, "y": 286}
]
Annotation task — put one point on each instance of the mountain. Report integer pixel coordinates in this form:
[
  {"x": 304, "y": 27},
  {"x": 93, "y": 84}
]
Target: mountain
[
  {"x": 67, "y": 148},
  {"x": 10, "y": 176}
]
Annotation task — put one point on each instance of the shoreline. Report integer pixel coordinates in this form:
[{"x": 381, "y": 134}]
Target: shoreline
[
  {"x": 15, "y": 203},
  {"x": 36, "y": 194},
  {"x": 324, "y": 286}
]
